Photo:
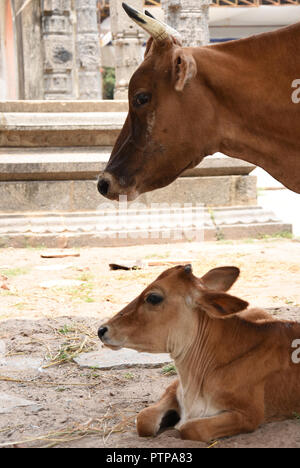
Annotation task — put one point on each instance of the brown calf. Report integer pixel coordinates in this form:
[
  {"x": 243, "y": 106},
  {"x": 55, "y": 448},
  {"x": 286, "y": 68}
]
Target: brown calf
[{"x": 236, "y": 365}]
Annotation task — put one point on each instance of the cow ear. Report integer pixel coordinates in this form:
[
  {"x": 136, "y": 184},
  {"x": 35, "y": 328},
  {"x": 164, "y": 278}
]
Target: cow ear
[
  {"x": 185, "y": 68},
  {"x": 221, "y": 305},
  {"x": 220, "y": 279}
]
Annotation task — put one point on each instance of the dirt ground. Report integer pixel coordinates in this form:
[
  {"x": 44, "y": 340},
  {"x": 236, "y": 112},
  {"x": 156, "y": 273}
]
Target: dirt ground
[{"x": 86, "y": 407}]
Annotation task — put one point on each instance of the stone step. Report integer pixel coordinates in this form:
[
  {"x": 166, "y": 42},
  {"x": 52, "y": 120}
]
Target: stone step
[
  {"x": 20, "y": 164},
  {"x": 61, "y": 123},
  {"x": 29, "y": 129},
  {"x": 12, "y": 121},
  {"x": 147, "y": 226},
  {"x": 117, "y": 220},
  {"x": 63, "y": 106},
  {"x": 82, "y": 195},
  {"x": 88, "y": 162}
]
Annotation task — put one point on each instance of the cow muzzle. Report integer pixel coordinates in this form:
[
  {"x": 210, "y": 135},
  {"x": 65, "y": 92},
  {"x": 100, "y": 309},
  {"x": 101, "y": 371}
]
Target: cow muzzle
[
  {"x": 101, "y": 332},
  {"x": 112, "y": 188}
]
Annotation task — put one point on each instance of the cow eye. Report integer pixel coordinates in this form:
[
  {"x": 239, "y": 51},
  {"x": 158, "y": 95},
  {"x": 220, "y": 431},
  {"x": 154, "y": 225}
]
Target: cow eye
[
  {"x": 154, "y": 299},
  {"x": 141, "y": 99}
]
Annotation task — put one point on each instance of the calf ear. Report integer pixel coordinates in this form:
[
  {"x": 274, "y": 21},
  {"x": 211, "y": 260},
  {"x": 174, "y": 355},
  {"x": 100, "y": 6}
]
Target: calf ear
[
  {"x": 221, "y": 305},
  {"x": 185, "y": 68},
  {"x": 221, "y": 279}
]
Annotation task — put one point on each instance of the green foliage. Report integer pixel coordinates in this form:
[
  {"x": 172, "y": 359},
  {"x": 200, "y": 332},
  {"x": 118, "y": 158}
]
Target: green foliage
[
  {"x": 128, "y": 376},
  {"x": 16, "y": 272},
  {"x": 109, "y": 80},
  {"x": 169, "y": 369},
  {"x": 64, "y": 330},
  {"x": 278, "y": 235}
]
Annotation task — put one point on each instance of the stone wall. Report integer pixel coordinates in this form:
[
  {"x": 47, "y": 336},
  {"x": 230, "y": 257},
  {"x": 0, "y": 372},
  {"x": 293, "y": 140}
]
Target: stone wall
[
  {"x": 30, "y": 50},
  {"x": 58, "y": 50}
]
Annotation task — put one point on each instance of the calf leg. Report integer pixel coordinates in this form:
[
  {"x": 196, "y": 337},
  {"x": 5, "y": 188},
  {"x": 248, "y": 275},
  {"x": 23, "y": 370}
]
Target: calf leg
[
  {"x": 150, "y": 419},
  {"x": 228, "y": 423}
]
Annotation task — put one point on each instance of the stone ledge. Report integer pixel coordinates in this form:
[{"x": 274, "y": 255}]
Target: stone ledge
[
  {"x": 209, "y": 191},
  {"x": 220, "y": 165},
  {"x": 87, "y": 162},
  {"x": 64, "y": 106},
  {"x": 95, "y": 229},
  {"x": 58, "y": 121},
  {"x": 93, "y": 239},
  {"x": 92, "y": 221},
  {"x": 60, "y": 129},
  {"x": 59, "y": 138},
  {"x": 21, "y": 164},
  {"x": 80, "y": 195}
]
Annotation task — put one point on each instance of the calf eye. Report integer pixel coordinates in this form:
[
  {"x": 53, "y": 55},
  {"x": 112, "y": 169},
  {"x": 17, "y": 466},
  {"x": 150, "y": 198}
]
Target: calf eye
[
  {"x": 141, "y": 99},
  {"x": 154, "y": 299}
]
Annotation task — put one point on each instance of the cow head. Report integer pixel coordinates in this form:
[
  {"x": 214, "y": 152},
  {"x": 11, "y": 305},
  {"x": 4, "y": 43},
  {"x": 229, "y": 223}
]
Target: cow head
[
  {"x": 161, "y": 137},
  {"x": 166, "y": 314}
]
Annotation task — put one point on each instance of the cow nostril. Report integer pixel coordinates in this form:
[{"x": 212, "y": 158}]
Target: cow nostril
[
  {"x": 102, "y": 331},
  {"x": 103, "y": 186}
]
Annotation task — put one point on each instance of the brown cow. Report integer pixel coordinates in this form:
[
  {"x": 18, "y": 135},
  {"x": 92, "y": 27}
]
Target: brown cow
[
  {"x": 237, "y": 367},
  {"x": 239, "y": 97}
]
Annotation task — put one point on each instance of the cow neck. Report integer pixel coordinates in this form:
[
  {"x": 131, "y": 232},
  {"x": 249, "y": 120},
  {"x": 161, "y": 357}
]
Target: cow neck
[{"x": 250, "y": 85}]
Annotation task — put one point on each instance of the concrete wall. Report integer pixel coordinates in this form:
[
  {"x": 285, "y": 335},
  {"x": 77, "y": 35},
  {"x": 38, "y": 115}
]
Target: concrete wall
[
  {"x": 21, "y": 62},
  {"x": 236, "y": 23},
  {"x": 8, "y": 58},
  {"x": 30, "y": 52},
  {"x": 2, "y": 52}
]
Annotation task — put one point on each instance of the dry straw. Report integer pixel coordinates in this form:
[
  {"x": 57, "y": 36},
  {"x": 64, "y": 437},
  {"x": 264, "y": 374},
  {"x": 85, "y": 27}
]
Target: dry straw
[{"x": 76, "y": 432}]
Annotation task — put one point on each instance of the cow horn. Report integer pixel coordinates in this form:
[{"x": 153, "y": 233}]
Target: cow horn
[{"x": 158, "y": 30}]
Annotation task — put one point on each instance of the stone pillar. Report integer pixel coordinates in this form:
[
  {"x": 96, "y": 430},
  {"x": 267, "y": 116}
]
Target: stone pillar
[
  {"x": 128, "y": 39},
  {"x": 58, "y": 49},
  {"x": 72, "y": 50},
  {"x": 190, "y": 19},
  {"x": 88, "y": 51}
]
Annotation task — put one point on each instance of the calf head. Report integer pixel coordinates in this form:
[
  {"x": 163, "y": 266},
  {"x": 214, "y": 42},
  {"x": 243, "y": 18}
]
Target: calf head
[{"x": 169, "y": 309}]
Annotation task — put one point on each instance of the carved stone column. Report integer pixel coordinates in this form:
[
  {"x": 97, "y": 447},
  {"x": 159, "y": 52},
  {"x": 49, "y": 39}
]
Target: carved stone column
[
  {"x": 190, "y": 19},
  {"x": 128, "y": 39},
  {"x": 58, "y": 49},
  {"x": 72, "y": 57},
  {"x": 88, "y": 52}
]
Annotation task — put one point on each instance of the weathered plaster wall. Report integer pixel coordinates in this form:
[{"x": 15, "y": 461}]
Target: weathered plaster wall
[
  {"x": 30, "y": 50},
  {"x": 2, "y": 52}
]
